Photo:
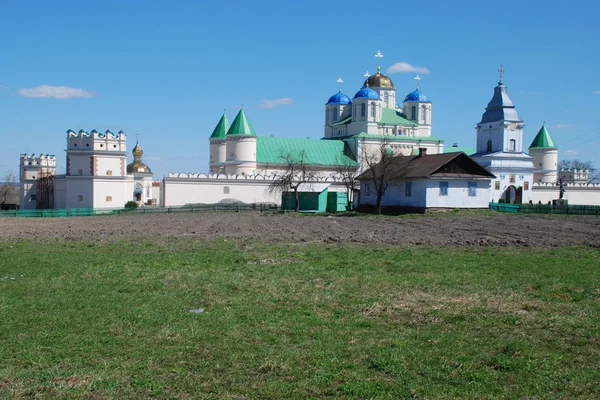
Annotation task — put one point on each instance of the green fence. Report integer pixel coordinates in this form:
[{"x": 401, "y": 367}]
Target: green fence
[
  {"x": 86, "y": 212},
  {"x": 546, "y": 209}
]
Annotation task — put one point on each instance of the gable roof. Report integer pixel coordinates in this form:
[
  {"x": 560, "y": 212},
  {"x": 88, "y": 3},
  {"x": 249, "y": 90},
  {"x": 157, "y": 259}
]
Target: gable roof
[
  {"x": 443, "y": 166},
  {"x": 270, "y": 150},
  {"x": 467, "y": 150},
  {"x": 543, "y": 140},
  {"x": 390, "y": 116}
]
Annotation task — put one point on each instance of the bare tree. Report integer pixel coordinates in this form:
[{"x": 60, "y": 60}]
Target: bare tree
[
  {"x": 296, "y": 171},
  {"x": 377, "y": 168},
  {"x": 580, "y": 165},
  {"x": 9, "y": 185},
  {"x": 347, "y": 169}
]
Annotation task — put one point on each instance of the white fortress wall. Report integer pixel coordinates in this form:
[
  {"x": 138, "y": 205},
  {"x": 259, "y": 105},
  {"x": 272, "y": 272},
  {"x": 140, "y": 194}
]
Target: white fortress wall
[
  {"x": 181, "y": 189},
  {"x": 575, "y": 193}
]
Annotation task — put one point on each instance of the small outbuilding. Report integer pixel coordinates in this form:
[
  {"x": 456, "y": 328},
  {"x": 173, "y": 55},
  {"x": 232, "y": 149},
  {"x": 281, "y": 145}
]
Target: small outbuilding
[{"x": 422, "y": 182}]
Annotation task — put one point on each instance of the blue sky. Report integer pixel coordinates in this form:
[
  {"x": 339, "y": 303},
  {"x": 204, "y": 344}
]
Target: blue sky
[{"x": 168, "y": 69}]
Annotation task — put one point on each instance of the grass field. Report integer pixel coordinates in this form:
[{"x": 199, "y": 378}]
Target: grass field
[{"x": 297, "y": 321}]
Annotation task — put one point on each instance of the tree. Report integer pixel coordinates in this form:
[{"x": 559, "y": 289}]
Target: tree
[
  {"x": 346, "y": 170},
  {"x": 10, "y": 185},
  {"x": 377, "y": 167},
  {"x": 296, "y": 171},
  {"x": 580, "y": 165}
]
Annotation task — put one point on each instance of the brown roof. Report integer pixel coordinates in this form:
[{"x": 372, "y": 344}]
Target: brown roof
[{"x": 443, "y": 166}]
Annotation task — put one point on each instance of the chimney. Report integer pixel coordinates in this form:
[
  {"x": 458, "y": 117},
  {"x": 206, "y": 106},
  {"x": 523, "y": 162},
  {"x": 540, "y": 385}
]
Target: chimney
[{"x": 422, "y": 151}]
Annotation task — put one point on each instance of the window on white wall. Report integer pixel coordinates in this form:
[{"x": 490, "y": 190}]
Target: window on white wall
[
  {"x": 363, "y": 110},
  {"x": 109, "y": 172},
  {"x": 80, "y": 198},
  {"x": 367, "y": 189},
  {"x": 413, "y": 113},
  {"x": 472, "y": 189},
  {"x": 225, "y": 189},
  {"x": 335, "y": 114},
  {"x": 443, "y": 188},
  {"x": 372, "y": 110},
  {"x": 489, "y": 145},
  {"x": 408, "y": 189},
  {"x": 512, "y": 144},
  {"x": 424, "y": 113},
  {"x": 108, "y": 198},
  {"x": 80, "y": 172}
]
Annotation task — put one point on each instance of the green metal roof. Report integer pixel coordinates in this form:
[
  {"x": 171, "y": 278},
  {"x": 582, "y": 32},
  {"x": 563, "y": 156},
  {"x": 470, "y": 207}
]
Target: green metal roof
[
  {"x": 344, "y": 121},
  {"x": 393, "y": 117},
  {"x": 270, "y": 150},
  {"x": 241, "y": 126},
  {"x": 467, "y": 150},
  {"x": 221, "y": 128},
  {"x": 543, "y": 140},
  {"x": 399, "y": 138}
]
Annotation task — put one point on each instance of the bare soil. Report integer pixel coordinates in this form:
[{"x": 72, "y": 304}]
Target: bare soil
[{"x": 462, "y": 229}]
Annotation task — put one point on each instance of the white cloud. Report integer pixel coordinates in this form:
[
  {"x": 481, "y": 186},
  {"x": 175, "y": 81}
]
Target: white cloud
[
  {"x": 265, "y": 103},
  {"x": 571, "y": 152},
  {"x": 563, "y": 126},
  {"x": 406, "y": 67},
  {"x": 56, "y": 92}
]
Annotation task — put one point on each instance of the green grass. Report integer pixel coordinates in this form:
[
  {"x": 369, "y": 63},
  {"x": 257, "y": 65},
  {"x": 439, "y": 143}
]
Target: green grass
[{"x": 289, "y": 321}]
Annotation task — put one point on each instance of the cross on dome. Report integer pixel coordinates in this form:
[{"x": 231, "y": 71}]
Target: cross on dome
[
  {"x": 379, "y": 56},
  {"x": 502, "y": 71},
  {"x": 367, "y": 75},
  {"x": 340, "y": 81},
  {"x": 417, "y": 79}
]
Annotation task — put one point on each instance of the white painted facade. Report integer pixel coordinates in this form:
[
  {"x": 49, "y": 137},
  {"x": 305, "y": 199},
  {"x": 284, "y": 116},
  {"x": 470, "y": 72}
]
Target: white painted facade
[{"x": 426, "y": 194}]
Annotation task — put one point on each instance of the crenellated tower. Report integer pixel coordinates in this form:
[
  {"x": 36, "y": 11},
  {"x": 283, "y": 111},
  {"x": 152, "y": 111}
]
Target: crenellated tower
[
  {"x": 33, "y": 169},
  {"x": 96, "y": 154}
]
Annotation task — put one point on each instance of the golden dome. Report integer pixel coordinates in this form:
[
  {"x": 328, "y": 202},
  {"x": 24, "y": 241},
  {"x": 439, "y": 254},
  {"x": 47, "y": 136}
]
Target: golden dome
[
  {"x": 138, "y": 168},
  {"x": 379, "y": 81},
  {"x": 137, "y": 150}
]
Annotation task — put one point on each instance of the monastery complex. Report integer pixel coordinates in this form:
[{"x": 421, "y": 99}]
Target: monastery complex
[{"x": 243, "y": 164}]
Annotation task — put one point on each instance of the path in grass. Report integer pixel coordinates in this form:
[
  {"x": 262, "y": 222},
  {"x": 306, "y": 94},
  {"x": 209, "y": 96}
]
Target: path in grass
[{"x": 296, "y": 321}]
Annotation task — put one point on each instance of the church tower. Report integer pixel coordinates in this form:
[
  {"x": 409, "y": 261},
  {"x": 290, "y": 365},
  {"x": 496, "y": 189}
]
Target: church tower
[
  {"x": 545, "y": 157},
  {"x": 417, "y": 107},
  {"x": 382, "y": 85},
  {"x": 240, "y": 146},
  {"x": 500, "y": 149},
  {"x": 337, "y": 108},
  {"x": 500, "y": 129},
  {"x": 218, "y": 146}
]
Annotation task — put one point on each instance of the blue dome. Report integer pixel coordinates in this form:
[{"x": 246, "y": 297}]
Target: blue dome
[
  {"x": 416, "y": 95},
  {"x": 339, "y": 98},
  {"x": 367, "y": 93}
]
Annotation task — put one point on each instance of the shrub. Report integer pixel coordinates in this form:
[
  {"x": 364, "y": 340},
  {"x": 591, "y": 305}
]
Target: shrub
[
  {"x": 131, "y": 205},
  {"x": 501, "y": 201}
]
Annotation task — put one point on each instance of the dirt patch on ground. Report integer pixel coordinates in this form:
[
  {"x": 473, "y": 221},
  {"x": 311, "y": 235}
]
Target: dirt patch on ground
[{"x": 495, "y": 229}]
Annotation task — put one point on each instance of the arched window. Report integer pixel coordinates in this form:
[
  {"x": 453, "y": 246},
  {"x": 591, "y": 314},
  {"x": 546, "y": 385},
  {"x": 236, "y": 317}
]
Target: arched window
[
  {"x": 386, "y": 97},
  {"x": 413, "y": 113},
  {"x": 424, "y": 113},
  {"x": 373, "y": 110},
  {"x": 335, "y": 114},
  {"x": 489, "y": 145},
  {"x": 363, "y": 110},
  {"x": 512, "y": 145}
]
